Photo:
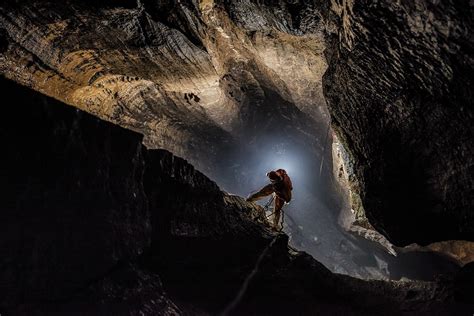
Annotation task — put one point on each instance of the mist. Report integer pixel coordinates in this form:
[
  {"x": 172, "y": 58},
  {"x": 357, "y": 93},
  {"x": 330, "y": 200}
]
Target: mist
[{"x": 311, "y": 219}]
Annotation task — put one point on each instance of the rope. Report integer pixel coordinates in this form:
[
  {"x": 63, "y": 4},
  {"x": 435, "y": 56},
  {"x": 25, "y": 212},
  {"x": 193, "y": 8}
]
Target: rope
[
  {"x": 269, "y": 203},
  {"x": 272, "y": 213},
  {"x": 247, "y": 280},
  {"x": 282, "y": 219},
  {"x": 252, "y": 274}
]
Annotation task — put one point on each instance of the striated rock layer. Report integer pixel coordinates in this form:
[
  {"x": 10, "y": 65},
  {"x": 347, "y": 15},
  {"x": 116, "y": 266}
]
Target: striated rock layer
[
  {"x": 399, "y": 90},
  {"x": 84, "y": 231},
  {"x": 191, "y": 80}
]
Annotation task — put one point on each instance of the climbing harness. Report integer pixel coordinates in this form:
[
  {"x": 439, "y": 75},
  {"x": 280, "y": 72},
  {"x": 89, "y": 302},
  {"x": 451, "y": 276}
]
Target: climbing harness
[{"x": 266, "y": 207}]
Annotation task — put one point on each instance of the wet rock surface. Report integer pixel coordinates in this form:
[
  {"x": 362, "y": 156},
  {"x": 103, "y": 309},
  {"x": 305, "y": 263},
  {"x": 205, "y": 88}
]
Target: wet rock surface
[{"x": 175, "y": 244}]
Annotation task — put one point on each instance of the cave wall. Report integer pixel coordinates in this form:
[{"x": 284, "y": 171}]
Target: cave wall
[{"x": 399, "y": 89}]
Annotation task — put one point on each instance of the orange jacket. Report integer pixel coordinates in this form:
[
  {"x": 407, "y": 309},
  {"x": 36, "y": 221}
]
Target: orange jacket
[{"x": 283, "y": 186}]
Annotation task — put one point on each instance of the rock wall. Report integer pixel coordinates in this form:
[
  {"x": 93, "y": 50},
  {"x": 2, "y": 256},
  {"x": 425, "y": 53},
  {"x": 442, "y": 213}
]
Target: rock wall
[{"x": 399, "y": 89}]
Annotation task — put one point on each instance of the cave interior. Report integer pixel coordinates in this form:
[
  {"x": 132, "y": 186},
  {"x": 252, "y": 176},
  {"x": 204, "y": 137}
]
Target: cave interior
[{"x": 133, "y": 131}]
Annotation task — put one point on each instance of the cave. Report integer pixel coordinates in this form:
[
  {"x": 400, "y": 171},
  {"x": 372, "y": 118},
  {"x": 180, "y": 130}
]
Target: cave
[{"x": 134, "y": 131}]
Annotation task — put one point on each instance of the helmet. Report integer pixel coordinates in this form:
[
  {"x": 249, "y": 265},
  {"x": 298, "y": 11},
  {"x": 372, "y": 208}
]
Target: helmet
[{"x": 273, "y": 176}]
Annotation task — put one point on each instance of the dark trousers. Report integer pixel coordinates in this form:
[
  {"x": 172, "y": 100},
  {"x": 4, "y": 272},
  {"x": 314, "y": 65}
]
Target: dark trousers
[{"x": 278, "y": 202}]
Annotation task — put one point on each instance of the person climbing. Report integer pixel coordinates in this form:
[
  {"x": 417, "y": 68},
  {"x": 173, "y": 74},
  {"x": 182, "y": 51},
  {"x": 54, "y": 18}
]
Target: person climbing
[{"x": 281, "y": 187}]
